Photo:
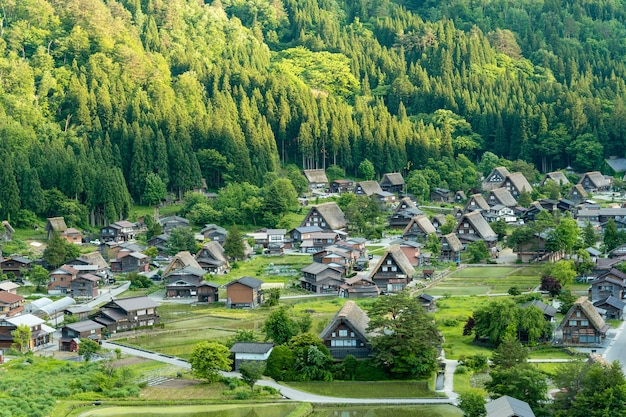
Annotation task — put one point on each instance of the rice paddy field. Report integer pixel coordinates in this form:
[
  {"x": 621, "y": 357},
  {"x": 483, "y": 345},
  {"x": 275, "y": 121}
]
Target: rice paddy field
[{"x": 486, "y": 280}]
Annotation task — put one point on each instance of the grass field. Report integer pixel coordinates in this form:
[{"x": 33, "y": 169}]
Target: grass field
[
  {"x": 369, "y": 389},
  {"x": 207, "y": 410},
  {"x": 486, "y": 280}
]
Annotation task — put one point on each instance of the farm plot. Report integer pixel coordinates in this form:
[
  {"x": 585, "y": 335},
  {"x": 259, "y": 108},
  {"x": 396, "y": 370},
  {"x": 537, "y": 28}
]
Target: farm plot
[{"x": 485, "y": 280}]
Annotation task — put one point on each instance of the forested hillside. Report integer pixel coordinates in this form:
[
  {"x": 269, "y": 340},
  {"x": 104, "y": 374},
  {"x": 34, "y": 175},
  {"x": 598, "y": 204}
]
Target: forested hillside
[{"x": 98, "y": 96}]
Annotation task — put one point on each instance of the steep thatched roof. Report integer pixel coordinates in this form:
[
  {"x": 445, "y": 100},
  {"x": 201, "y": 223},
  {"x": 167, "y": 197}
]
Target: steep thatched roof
[
  {"x": 479, "y": 224},
  {"x": 396, "y": 253},
  {"x": 519, "y": 181},
  {"x": 332, "y": 214},
  {"x": 584, "y": 305},
  {"x": 495, "y": 178},
  {"x": 557, "y": 177},
  {"x": 353, "y": 316},
  {"x": 501, "y": 196},
  {"x": 476, "y": 202},
  {"x": 422, "y": 222},
  {"x": 368, "y": 187},
  {"x": 393, "y": 178},
  {"x": 181, "y": 260},
  {"x": 453, "y": 242},
  {"x": 212, "y": 250},
  {"x": 315, "y": 176},
  {"x": 56, "y": 224},
  {"x": 580, "y": 189},
  {"x": 596, "y": 178}
]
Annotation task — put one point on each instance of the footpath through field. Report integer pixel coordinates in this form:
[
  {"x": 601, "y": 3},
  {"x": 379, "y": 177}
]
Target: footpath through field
[{"x": 294, "y": 394}]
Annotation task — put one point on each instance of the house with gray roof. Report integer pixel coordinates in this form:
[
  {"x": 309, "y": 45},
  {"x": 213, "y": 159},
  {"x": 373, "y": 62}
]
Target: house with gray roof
[
  {"x": 244, "y": 292},
  {"x": 170, "y": 223},
  {"x": 327, "y": 216},
  {"x": 346, "y": 334},
  {"x": 549, "y": 312},
  {"x": 128, "y": 313},
  {"x": 618, "y": 165},
  {"x": 613, "y": 306},
  {"x": 358, "y": 287},
  {"x": 41, "y": 334},
  {"x": 403, "y": 213},
  {"x": 394, "y": 271},
  {"x": 71, "y": 334},
  {"x": 322, "y": 278},
  {"x": 594, "y": 181},
  {"x": 215, "y": 233},
  {"x": 250, "y": 352},
  {"x": 392, "y": 182},
  {"x": 582, "y": 325},
  {"x": 506, "y": 406},
  {"x": 181, "y": 260},
  {"x": 577, "y": 194}
]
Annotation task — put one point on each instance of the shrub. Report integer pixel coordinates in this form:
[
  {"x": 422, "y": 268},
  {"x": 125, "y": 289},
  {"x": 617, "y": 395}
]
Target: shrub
[
  {"x": 242, "y": 395},
  {"x": 461, "y": 369},
  {"x": 450, "y": 322}
]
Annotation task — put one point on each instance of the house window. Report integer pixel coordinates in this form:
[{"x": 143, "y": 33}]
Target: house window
[
  {"x": 578, "y": 313},
  {"x": 572, "y": 322},
  {"x": 334, "y": 334},
  {"x": 584, "y": 322},
  {"x": 343, "y": 333}
]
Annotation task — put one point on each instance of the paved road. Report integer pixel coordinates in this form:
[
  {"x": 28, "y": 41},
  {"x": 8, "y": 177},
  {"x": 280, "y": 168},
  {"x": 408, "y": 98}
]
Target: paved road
[
  {"x": 107, "y": 294},
  {"x": 294, "y": 394},
  {"x": 616, "y": 349}
]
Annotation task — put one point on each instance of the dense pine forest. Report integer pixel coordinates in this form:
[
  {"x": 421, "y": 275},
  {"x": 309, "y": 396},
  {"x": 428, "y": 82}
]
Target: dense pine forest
[{"x": 101, "y": 99}]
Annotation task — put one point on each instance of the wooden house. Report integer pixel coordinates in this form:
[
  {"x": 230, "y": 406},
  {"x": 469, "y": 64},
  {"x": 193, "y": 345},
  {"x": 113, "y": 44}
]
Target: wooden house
[
  {"x": 347, "y": 334},
  {"x": 385, "y": 199},
  {"x": 427, "y": 301},
  {"x": 327, "y": 216},
  {"x": 208, "y": 292},
  {"x": 441, "y": 195},
  {"x": 127, "y": 260},
  {"x": 41, "y": 334},
  {"x": 460, "y": 197},
  {"x": 473, "y": 227},
  {"x": 516, "y": 183},
  {"x": 71, "y": 334},
  {"x": 211, "y": 258},
  {"x": 6, "y": 231},
  {"x": 549, "y": 312},
  {"x": 582, "y": 325},
  {"x": 342, "y": 186},
  {"x": 607, "y": 284},
  {"x": 413, "y": 251},
  {"x": 451, "y": 248},
  {"x": 316, "y": 179},
  {"x": 15, "y": 265},
  {"x": 322, "y": 278},
  {"x": 367, "y": 188},
  {"x": 495, "y": 178},
  {"x": 250, "y": 352},
  {"x": 476, "y": 202},
  {"x": 79, "y": 311},
  {"x": 181, "y": 260},
  {"x": 317, "y": 241},
  {"x": 392, "y": 183},
  {"x": 92, "y": 262},
  {"x": 577, "y": 194},
  {"x": 72, "y": 235},
  {"x": 183, "y": 282},
  {"x": 501, "y": 196},
  {"x": 358, "y": 287},
  {"x": 60, "y": 280},
  {"x": 403, "y": 213},
  {"x": 170, "y": 223},
  {"x": 122, "y": 231},
  {"x": 10, "y": 304},
  {"x": 85, "y": 286},
  {"x": 128, "y": 313},
  {"x": 418, "y": 229},
  {"x": 558, "y": 177},
  {"x": 594, "y": 181},
  {"x": 437, "y": 221},
  {"x": 613, "y": 306},
  {"x": 9, "y": 286},
  {"x": 214, "y": 233},
  {"x": 244, "y": 293},
  {"x": 301, "y": 233},
  {"x": 506, "y": 406},
  {"x": 393, "y": 272},
  {"x": 55, "y": 225}
]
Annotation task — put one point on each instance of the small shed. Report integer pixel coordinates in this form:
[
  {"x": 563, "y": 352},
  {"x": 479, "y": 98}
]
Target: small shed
[{"x": 250, "y": 351}]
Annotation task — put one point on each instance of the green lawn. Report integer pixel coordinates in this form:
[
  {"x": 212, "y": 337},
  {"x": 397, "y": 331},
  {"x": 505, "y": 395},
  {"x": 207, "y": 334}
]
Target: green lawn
[
  {"x": 205, "y": 410},
  {"x": 483, "y": 272},
  {"x": 485, "y": 280},
  {"x": 368, "y": 389}
]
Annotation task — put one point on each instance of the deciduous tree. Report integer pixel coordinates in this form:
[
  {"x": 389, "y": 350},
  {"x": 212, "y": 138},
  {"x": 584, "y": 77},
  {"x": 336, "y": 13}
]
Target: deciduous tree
[{"x": 208, "y": 359}]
